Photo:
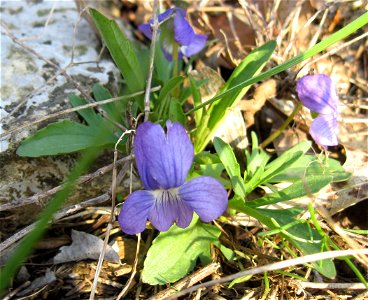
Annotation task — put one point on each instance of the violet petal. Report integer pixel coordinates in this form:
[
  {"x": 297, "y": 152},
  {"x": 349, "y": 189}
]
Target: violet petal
[
  {"x": 183, "y": 32},
  {"x": 134, "y": 214},
  {"x": 324, "y": 130},
  {"x": 146, "y": 27},
  {"x": 142, "y": 154},
  {"x": 169, "y": 208},
  {"x": 318, "y": 93},
  {"x": 197, "y": 44},
  {"x": 163, "y": 160},
  {"x": 206, "y": 196}
]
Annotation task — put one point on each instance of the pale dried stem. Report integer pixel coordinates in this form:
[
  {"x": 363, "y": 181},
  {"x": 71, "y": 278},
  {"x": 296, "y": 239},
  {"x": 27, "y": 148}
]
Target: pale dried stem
[
  {"x": 67, "y": 111},
  {"x": 331, "y": 285},
  {"x": 134, "y": 270},
  {"x": 39, "y": 197},
  {"x": 316, "y": 36},
  {"x": 187, "y": 281},
  {"x": 154, "y": 27},
  {"x": 351, "y": 243},
  {"x": 272, "y": 267},
  {"x": 112, "y": 216}
]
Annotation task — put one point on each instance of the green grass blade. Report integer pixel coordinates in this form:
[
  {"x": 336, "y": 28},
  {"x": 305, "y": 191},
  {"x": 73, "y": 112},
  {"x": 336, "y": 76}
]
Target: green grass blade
[
  {"x": 324, "y": 44},
  {"x": 26, "y": 245}
]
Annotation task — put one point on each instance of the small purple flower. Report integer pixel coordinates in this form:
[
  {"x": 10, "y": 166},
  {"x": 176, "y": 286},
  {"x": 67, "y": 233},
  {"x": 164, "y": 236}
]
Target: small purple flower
[
  {"x": 176, "y": 30},
  {"x": 318, "y": 93},
  {"x": 163, "y": 162}
]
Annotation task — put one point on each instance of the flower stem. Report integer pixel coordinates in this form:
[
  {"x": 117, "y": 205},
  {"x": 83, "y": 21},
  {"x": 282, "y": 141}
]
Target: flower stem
[
  {"x": 155, "y": 26},
  {"x": 274, "y": 135},
  {"x": 175, "y": 56}
]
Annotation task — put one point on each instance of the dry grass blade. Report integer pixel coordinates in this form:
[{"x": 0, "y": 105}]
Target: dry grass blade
[{"x": 272, "y": 267}]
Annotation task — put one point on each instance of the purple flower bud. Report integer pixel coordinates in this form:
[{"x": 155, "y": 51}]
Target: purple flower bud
[
  {"x": 318, "y": 93},
  {"x": 163, "y": 161},
  {"x": 177, "y": 32}
]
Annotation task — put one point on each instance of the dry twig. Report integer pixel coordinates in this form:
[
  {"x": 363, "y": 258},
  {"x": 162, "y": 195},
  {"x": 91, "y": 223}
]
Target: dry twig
[{"x": 272, "y": 267}]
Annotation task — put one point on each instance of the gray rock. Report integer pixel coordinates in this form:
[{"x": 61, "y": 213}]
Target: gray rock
[{"x": 46, "y": 28}]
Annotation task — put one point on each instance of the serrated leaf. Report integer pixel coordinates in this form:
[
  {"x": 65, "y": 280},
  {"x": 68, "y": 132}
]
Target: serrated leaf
[
  {"x": 174, "y": 253},
  {"x": 62, "y": 137}
]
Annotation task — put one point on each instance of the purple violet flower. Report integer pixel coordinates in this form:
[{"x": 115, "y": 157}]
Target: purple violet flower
[
  {"x": 176, "y": 30},
  {"x": 318, "y": 93},
  {"x": 163, "y": 161}
]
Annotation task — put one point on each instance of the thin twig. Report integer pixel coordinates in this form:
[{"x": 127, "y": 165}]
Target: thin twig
[
  {"x": 331, "y": 285},
  {"x": 134, "y": 270},
  {"x": 112, "y": 217},
  {"x": 136, "y": 258},
  {"x": 67, "y": 111},
  {"x": 272, "y": 267},
  {"x": 154, "y": 27},
  {"x": 37, "y": 198},
  {"x": 66, "y": 211}
]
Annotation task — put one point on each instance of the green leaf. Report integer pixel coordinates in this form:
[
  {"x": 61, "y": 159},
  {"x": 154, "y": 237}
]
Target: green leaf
[
  {"x": 115, "y": 109},
  {"x": 285, "y": 160},
  {"x": 299, "y": 233},
  {"x": 63, "y": 137},
  {"x": 164, "y": 99},
  {"x": 256, "y": 159},
  {"x": 122, "y": 51},
  {"x": 176, "y": 113},
  {"x": 169, "y": 86},
  {"x": 309, "y": 166},
  {"x": 87, "y": 114},
  {"x": 231, "y": 165},
  {"x": 299, "y": 188},
  {"x": 197, "y": 99},
  {"x": 306, "y": 239},
  {"x": 174, "y": 253},
  {"x": 206, "y": 158},
  {"x": 249, "y": 67}
]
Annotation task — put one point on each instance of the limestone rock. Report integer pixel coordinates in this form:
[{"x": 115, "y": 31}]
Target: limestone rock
[{"x": 38, "y": 39}]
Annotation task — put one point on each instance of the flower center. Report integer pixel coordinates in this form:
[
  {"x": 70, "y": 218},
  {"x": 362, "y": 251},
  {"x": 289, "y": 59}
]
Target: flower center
[{"x": 166, "y": 196}]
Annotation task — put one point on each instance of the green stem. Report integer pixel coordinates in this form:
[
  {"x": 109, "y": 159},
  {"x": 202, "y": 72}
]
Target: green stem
[
  {"x": 175, "y": 56},
  {"x": 274, "y": 135}
]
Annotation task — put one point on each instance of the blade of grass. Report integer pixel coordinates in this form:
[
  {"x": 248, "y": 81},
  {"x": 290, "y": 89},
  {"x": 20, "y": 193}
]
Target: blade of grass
[
  {"x": 324, "y": 44},
  {"x": 25, "y": 247}
]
